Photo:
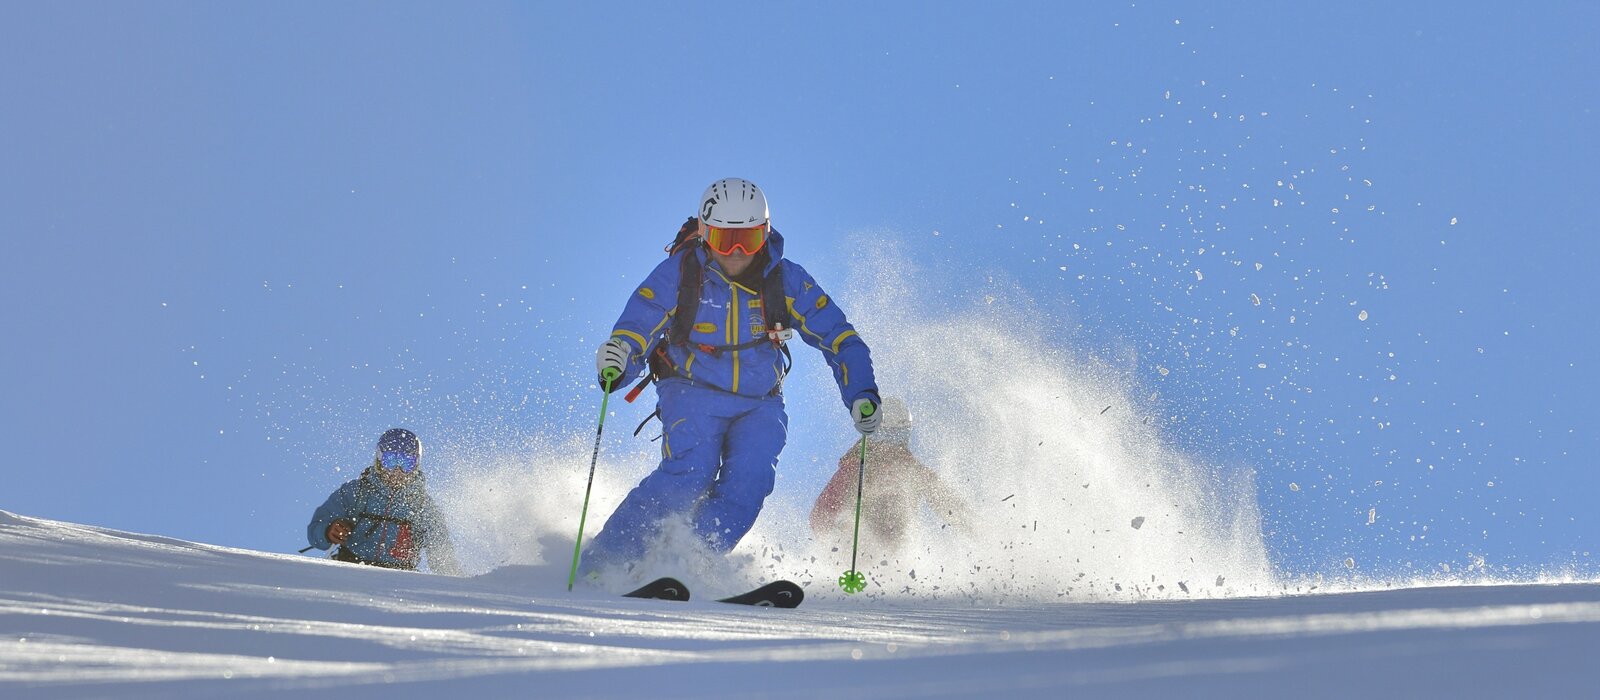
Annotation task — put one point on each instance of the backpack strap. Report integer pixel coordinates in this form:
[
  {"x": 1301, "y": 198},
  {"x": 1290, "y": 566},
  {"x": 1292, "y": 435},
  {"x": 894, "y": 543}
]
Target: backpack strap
[
  {"x": 775, "y": 310},
  {"x": 774, "y": 307},
  {"x": 379, "y": 517},
  {"x": 691, "y": 275}
]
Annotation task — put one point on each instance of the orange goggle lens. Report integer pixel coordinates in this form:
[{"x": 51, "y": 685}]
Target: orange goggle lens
[{"x": 725, "y": 240}]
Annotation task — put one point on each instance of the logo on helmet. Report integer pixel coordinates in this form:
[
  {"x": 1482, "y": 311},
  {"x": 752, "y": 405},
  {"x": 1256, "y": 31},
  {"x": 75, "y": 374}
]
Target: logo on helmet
[{"x": 733, "y": 203}]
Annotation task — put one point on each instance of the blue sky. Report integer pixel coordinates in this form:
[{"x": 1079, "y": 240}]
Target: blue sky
[{"x": 243, "y": 240}]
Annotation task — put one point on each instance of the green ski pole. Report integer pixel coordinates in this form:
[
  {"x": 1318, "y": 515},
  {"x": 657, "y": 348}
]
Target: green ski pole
[
  {"x": 853, "y": 581},
  {"x": 609, "y": 375}
]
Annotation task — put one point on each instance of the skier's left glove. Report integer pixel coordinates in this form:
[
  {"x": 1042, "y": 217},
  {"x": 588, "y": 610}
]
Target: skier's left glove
[{"x": 865, "y": 414}]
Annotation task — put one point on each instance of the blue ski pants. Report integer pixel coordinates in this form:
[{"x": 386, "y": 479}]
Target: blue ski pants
[{"x": 719, "y": 458}]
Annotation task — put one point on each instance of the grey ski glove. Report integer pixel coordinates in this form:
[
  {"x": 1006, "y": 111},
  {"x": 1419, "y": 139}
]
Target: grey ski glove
[{"x": 865, "y": 414}]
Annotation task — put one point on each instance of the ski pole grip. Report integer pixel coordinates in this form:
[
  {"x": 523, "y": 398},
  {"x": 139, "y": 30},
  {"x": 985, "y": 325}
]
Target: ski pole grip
[
  {"x": 868, "y": 410},
  {"x": 609, "y": 374}
]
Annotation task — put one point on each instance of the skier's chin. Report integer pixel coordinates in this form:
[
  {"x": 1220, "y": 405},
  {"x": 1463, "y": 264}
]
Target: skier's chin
[
  {"x": 735, "y": 264},
  {"x": 395, "y": 477}
]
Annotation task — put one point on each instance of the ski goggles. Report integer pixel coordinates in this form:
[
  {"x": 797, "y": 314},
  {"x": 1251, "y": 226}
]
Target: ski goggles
[
  {"x": 398, "y": 460},
  {"x": 724, "y": 241}
]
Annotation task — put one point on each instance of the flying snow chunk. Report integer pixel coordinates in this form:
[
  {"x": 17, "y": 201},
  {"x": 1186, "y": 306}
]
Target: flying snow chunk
[
  {"x": 1372, "y": 515},
  {"x": 1294, "y": 486},
  {"x": 1138, "y": 522},
  {"x": 1349, "y": 563},
  {"x": 1255, "y": 299},
  {"x": 1363, "y": 315}
]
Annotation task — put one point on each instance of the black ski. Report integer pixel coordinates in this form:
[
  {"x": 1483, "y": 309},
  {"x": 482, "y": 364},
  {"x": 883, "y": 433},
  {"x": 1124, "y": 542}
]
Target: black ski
[
  {"x": 778, "y": 594},
  {"x": 664, "y": 588}
]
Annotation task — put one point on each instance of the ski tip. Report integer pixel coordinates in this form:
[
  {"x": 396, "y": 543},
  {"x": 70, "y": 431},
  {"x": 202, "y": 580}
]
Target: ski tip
[
  {"x": 778, "y": 594},
  {"x": 664, "y": 588}
]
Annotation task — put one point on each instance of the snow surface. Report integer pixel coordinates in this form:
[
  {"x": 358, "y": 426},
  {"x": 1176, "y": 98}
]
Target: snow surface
[{"x": 91, "y": 612}]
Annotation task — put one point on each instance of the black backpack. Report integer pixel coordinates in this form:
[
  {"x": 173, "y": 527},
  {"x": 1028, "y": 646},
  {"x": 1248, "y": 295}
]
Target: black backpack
[{"x": 691, "y": 274}]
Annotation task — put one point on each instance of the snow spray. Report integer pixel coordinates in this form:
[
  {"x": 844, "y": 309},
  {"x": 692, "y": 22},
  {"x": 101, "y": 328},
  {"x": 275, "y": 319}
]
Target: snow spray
[{"x": 1075, "y": 492}]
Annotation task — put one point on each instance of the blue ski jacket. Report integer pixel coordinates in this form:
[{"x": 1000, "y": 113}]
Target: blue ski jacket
[
  {"x": 731, "y": 314},
  {"x": 392, "y": 525}
]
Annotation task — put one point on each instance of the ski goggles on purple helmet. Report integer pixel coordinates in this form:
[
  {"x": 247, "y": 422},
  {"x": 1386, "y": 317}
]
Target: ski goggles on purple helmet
[
  {"x": 399, "y": 449},
  {"x": 398, "y": 460}
]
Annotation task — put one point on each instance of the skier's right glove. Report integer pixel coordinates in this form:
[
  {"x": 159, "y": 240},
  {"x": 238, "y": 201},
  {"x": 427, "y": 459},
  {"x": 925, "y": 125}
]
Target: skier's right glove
[
  {"x": 339, "y": 530},
  {"x": 865, "y": 414},
  {"x": 613, "y": 355}
]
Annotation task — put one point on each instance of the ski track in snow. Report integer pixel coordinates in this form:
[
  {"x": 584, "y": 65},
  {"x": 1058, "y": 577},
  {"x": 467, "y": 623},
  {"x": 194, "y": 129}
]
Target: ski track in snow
[{"x": 91, "y": 612}]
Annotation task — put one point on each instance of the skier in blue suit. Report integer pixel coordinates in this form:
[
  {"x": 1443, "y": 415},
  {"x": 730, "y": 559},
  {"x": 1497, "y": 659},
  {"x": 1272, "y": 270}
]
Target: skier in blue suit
[
  {"x": 385, "y": 517},
  {"x": 708, "y": 324}
]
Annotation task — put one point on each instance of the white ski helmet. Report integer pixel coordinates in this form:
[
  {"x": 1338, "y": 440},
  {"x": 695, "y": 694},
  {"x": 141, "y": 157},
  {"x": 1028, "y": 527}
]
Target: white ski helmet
[{"x": 733, "y": 203}]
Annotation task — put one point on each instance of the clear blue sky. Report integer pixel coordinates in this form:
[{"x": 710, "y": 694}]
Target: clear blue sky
[{"x": 242, "y": 240}]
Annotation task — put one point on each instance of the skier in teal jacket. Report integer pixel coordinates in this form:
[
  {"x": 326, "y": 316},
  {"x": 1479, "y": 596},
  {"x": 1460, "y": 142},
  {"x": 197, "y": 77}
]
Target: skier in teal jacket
[{"x": 386, "y": 518}]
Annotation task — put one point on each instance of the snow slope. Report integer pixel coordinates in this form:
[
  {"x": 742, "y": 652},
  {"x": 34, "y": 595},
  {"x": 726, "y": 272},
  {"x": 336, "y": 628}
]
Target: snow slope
[{"x": 90, "y": 612}]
